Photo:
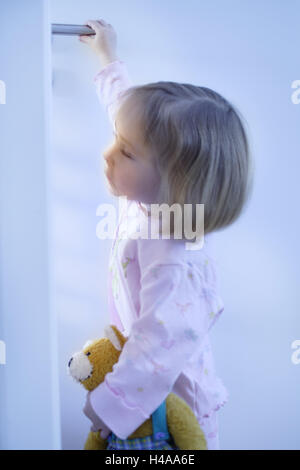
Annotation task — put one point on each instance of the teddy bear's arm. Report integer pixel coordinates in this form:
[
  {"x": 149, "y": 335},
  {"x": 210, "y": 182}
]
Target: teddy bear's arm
[
  {"x": 183, "y": 425},
  {"x": 95, "y": 442}
]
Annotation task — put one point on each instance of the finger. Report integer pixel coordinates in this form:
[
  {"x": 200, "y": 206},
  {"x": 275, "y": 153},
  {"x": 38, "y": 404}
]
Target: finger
[
  {"x": 85, "y": 39},
  {"x": 94, "y": 25},
  {"x": 104, "y": 433}
]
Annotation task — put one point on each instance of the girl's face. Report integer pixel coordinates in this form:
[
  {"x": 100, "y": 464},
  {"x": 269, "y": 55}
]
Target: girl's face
[{"x": 129, "y": 166}]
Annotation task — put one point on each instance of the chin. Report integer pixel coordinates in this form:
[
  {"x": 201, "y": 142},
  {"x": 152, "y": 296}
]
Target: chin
[{"x": 111, "y": 187}]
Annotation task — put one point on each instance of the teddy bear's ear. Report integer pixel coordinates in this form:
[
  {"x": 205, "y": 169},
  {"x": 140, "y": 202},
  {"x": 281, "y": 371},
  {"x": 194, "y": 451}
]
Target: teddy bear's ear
[
  {"x": 114, "y": 335},
  {"x": 88, "y": 343}
]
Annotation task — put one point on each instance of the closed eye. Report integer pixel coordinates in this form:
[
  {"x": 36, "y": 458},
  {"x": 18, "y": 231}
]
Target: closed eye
[
  {"x": 122, "y": 151},
  {"x": 126, "y": 154}
]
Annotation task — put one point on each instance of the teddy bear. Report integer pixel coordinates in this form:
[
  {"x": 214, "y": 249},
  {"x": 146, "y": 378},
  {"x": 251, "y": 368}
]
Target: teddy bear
[{"x": 90, "y": 366}]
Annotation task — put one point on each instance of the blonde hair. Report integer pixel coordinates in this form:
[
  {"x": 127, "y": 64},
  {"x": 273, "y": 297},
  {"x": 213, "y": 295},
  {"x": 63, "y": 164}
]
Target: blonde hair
[{"x": 200, "y": 149}]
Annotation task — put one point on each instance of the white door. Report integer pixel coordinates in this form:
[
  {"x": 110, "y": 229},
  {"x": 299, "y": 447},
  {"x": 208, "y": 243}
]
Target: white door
[{"x": 29, "y": 392}]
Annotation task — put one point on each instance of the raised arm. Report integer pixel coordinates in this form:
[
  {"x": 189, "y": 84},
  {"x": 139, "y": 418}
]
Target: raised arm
[
  {"x": 113, "y": 79},
  {"x": 110, "y": 82}
]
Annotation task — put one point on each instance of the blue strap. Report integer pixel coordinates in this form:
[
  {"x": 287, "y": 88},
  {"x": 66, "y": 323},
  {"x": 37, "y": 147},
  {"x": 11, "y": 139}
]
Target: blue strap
[{"x": 159, "y": 423}]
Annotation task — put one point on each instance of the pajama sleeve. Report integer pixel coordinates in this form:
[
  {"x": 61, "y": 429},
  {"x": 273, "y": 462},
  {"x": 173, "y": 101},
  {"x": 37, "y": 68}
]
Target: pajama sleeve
[
  {"x": 110, "y": 83},
  {"x": 177, "y": 308}
]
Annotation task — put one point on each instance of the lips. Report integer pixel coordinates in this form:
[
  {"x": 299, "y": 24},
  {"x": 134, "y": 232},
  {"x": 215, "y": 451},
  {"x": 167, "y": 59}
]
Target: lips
[{"x": 108, "y": 176}]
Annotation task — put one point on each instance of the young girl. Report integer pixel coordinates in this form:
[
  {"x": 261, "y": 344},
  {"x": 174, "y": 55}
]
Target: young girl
[{"x": 174, "y": 143}]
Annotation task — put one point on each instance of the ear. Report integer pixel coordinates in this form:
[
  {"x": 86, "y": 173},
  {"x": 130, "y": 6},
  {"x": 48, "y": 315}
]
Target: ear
[
  {"x": 115, "y": 336},
  {"x": 88, "y": 343}
]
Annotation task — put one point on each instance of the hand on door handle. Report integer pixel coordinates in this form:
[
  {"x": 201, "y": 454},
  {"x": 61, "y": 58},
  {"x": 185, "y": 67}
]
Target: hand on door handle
[{"x": 103, "y": 42}]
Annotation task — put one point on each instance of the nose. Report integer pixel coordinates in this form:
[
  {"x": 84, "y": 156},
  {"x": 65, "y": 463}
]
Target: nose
[
  {"x": 108, "y": 158},
  {"x": 70, "y": 361}
]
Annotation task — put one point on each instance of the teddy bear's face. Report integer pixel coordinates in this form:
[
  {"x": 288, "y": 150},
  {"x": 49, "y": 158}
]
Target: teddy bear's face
[{"x": 97, "y": 358}]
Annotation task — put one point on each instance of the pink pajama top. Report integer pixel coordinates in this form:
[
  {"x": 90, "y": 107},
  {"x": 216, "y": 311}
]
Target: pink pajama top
[{"x": 163, "y": 296}]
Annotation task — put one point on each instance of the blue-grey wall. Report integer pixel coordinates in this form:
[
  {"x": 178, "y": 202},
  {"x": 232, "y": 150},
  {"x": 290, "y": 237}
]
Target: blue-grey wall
[{"x": 248, "y": 51}]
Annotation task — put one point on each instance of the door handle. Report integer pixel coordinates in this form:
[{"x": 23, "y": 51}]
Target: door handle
[{"x": 71, "y": 29}]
